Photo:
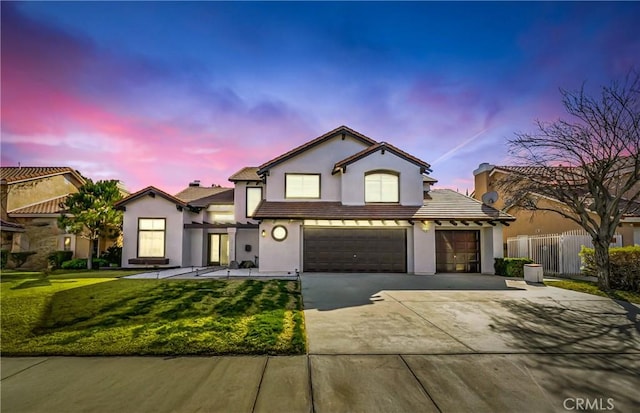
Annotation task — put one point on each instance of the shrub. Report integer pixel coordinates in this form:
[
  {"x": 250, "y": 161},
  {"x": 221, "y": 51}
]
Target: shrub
[
  {"x": 81, "y": 264},
  {"x": 247, "y": 264},
  {"x": 113, "y": 255},
  {"x": 511, "y": 267},
  {"x": 4, "y": 258},
  {"x": 56, "y": 258},
  {"x": 625, "y": 266},
  {"x": 19, "y": 258}
]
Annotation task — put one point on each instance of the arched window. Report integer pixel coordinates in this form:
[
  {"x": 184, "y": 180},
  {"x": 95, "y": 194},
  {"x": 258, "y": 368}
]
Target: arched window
[{"x": 381, "y": 186}]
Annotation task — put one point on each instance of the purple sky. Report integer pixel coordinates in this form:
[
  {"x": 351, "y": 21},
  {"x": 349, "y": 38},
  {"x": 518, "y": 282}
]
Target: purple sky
[{"x": 165, "y": 93}]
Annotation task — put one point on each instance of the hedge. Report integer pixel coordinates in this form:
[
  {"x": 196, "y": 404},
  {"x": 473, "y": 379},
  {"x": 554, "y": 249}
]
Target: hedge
[
  {"x": 56, "y": 258},
  {"x": 19, "y": 258},
  {"x": 625, "y": 266},
  {"x": 4, "y": 258},
  {"x": 511, "y": 267},
  {"x": 81, "y": 264}
]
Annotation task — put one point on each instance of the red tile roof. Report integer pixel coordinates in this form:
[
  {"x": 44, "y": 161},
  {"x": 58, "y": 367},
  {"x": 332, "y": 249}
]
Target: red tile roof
[
  {"x": 339, "y": 130},
  {"x": 50, "y": 206},
  {"x": 443, "y": 204},
  {"x": 24, "y": 173},
  {"x": 248, "y": 173},
  {"x": 382, "y": 146}
]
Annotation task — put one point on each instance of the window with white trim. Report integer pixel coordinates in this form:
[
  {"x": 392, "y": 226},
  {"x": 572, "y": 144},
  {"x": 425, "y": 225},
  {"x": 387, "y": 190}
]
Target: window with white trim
[
  {"x": 302, "y": 186},
  {"x": 151, "y": 236},
  {"x": 254, "y": 196},
  {"x": 381, "y": 187}
]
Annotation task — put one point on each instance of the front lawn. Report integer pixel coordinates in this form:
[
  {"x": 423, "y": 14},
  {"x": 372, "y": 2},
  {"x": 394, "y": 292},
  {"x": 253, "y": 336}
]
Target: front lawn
[
  {"x": 110, "y": 316},
  {"x": 592, "y": 288}
]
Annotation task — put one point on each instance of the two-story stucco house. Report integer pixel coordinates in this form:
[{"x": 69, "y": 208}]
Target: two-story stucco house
[
  {"x": 339, "y": 203},
  {"x": 31, "y": 199}
]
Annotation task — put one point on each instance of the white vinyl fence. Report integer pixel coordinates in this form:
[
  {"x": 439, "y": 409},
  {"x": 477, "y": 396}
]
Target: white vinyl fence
[{"x": 557, "y": 253}]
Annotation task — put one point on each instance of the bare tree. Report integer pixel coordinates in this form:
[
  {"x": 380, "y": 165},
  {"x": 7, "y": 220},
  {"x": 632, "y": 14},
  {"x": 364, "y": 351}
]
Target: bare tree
[{"x": 588, "y": 167}]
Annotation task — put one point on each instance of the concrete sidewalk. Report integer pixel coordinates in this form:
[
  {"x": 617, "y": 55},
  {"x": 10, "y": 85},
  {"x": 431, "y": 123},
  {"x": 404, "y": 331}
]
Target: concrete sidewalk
[{"x": 320, "y": 383}]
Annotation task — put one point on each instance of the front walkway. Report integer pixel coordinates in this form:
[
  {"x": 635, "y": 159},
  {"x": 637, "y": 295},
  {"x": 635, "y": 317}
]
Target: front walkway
[{"x": 194, "y": 273}]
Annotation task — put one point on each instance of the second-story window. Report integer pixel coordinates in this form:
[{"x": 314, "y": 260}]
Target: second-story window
[
  {"x": 381, "y": 186},
  {"x": 302, "y": 186},
  {"x": 254, "y": 196}
]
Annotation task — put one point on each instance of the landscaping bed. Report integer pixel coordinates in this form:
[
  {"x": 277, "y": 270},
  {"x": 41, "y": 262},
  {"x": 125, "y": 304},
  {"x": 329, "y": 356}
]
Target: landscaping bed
[
  {"x": 67, "y": 314},
  {"x": 590, "y": 287}
]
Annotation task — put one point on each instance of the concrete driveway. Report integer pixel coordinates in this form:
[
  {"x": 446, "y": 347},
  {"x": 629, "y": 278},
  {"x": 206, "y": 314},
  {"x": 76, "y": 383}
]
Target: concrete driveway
[{"x": 458, "y": 314}]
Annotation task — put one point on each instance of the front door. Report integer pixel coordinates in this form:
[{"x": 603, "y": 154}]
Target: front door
[{"x": 218, "y": 249}]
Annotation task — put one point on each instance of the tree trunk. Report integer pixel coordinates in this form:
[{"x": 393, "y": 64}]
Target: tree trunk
[
  {"x": 90, "y": 259},
  {"x": 603, "y": 269}
]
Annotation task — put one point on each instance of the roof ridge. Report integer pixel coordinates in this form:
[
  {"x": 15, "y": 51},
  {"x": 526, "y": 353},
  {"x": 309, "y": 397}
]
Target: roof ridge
[{"x": 293, "y": 152}]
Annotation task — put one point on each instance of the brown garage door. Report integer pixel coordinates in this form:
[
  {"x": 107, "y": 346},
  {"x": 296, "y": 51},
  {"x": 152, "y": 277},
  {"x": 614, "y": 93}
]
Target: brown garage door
[
  {"x": 354, "y": 250},
  {"x": 458, "y": 251}
]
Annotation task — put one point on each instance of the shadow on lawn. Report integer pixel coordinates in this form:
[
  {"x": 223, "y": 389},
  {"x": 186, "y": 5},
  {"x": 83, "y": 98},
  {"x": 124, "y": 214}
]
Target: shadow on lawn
[
  {"x": 590, "y": 349},
  {"x": 144, "y": 302},
  {"x": 39, "y": 282}
]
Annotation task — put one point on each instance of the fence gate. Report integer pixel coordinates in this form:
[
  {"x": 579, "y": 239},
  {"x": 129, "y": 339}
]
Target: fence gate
[{"x": 557, "y": 253}]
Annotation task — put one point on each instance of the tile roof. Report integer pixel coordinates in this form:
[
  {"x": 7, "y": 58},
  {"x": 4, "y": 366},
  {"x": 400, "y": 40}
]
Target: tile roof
[
  {"x": 222, "y": 197},
  {"x": 443, "y": 204},
  {"x": 248, "y": 173},
  {"x": 339, "y": 130},
  {"x": 427, "y": 178},
  {"x": 193, "y": 193},
  {"x": 50, "y": 206},
  {"x": 24, "y": 173},
  {"x": 382, "y": 146},
  {"x": 449, "y": 204},
  {"x": 150, "y": 190}
]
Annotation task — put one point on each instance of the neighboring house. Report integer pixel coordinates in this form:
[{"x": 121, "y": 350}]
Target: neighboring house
[
  {"x": 487, "y": 180},
  {"x": 31, "y": 198},
  {"x": 341, "y": 203}
]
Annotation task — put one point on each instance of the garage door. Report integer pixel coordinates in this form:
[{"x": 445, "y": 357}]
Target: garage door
[
  {"x": 354, "y": 250},
  {"x": 458, "y": 251}
]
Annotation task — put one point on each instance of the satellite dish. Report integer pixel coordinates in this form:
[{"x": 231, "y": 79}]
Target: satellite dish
[{"x": 490, "y": 198}]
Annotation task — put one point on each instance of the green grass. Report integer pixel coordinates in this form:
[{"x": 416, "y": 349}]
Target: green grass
[
  {"x": 65, "y": 274},
  {"x": 592, "y": 288},
  {"x": 110, "y": 316}
]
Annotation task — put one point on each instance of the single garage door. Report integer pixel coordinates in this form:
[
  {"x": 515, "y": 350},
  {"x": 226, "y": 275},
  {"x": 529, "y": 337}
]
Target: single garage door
[
  {"x": 457, "y": 251},
  {"x": 354, "y": 250}
]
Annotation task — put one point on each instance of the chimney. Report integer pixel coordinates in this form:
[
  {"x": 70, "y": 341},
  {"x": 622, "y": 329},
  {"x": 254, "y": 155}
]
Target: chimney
[
  {"x": 482, "y": 185},
  {"x": 4, "y": 191},
  {"x": 194, "y": 183}
]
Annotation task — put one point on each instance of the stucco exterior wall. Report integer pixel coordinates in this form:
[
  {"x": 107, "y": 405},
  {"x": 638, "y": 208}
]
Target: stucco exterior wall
[
  {"x": 28, "y": 193},
  {"x": 240, "y": 201},
  {"x": 424, "y": 247},
  {"x": 410, "y": 179},
  {"x": 281, "y": 256},
  {"x": 247, "y": 236},
  {"x": 158, "y": 207},
  {"x": 318, "y": 160}
]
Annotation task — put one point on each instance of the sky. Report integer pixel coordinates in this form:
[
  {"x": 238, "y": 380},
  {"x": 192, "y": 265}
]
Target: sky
[{"x": 164, "y": 93}]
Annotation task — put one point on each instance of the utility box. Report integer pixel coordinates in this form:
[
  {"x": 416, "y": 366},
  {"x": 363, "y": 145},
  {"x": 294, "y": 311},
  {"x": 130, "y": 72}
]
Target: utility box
[{"x": 533, "y": 273}]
